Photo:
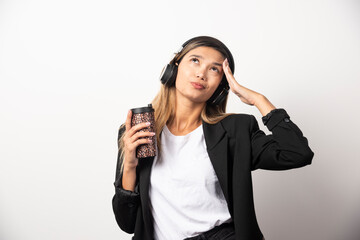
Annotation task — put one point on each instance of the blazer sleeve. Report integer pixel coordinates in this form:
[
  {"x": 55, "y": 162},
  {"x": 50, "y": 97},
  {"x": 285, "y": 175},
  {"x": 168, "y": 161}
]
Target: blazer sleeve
[
  {"x": 125, "y": 203},
  {"x": 285, "y": 148}
]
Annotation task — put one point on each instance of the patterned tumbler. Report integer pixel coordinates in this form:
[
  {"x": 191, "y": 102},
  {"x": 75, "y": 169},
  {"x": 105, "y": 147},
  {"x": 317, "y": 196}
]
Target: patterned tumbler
[{"x": 140, "y": 115}]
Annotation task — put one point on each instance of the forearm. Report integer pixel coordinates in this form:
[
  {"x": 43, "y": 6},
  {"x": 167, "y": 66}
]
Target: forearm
[
  {"x": 129, "y": 178},
  {"x": 264, "y": 105}
]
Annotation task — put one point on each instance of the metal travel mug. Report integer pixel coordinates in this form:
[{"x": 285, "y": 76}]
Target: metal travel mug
[{"x": 140, "y": 115}]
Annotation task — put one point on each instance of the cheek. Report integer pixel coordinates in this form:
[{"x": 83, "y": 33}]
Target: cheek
[
  {"x": 179, "y": 79},
  {"x": 216, "y": 84},
  {"x": 182, "y": 77}
]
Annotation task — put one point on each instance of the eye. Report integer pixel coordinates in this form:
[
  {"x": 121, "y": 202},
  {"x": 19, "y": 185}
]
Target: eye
[
  {"x": 194, "y": 59},
  {"x": 215, "y": 69}
]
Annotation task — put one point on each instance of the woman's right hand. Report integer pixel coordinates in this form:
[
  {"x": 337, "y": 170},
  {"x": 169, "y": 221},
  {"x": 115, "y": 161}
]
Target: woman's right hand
[{"x": 132, "y": 139}]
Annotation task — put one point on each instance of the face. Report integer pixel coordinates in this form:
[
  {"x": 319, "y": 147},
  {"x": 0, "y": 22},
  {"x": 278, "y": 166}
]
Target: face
[{"x": 199, "y": 74}]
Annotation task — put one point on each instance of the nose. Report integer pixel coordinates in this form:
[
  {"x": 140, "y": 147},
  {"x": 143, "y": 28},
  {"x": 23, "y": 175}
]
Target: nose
[{"x": 201, "y": 74}]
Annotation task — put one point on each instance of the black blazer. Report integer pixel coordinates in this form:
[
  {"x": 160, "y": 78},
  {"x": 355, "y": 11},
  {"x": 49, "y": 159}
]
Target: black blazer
[{"x": 236, "y": 146}]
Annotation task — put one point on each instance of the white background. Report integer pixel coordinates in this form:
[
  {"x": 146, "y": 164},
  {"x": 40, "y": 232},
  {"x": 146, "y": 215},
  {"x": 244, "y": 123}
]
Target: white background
[{"x": 70, "y": 70}]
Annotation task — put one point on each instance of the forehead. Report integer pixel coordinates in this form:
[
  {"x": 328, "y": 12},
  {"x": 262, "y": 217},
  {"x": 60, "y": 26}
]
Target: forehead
[{"x": 207, "y": 53}]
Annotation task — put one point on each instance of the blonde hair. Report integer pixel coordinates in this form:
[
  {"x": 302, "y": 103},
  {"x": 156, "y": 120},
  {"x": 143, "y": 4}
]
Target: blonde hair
[{"x": 164, "y": 103}]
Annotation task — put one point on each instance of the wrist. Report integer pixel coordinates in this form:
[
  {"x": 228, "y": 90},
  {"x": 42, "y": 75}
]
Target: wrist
[
  {"x": 129, "y": 178},
  {"x": 264, "y": 105},
  {"x": 129, "y": 167},
  {"x": 259, "y": 99}
]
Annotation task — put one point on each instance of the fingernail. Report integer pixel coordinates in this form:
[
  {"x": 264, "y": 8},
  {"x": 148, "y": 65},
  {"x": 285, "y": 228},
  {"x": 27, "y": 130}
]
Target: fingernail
[
  {"x": 152, "y": 133},
  {"x": 148, "y": 124}
]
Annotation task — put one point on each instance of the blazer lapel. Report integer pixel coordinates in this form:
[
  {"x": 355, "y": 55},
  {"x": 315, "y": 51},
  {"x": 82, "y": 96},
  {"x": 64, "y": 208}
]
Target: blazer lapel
[
  {"x": 217, "y": 142},
  {"x": 145, "y": 165}
]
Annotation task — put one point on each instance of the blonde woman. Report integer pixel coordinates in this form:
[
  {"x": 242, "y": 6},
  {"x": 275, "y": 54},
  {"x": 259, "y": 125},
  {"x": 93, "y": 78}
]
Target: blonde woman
[{"x": 199, "y": 185}]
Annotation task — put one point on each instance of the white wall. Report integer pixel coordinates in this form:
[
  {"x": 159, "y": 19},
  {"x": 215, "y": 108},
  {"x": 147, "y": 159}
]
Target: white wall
[{"x": 70, "y": 70}]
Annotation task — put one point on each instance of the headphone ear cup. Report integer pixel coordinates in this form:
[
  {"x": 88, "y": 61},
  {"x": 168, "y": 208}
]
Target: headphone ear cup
[
  {"x": 168, "y": 75},
  {"x": 221, "y": 97},
  {"x": 220, "y": 93}
]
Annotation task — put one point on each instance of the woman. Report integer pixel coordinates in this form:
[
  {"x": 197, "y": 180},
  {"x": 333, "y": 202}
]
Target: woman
[{"x": 199, "y": 185}]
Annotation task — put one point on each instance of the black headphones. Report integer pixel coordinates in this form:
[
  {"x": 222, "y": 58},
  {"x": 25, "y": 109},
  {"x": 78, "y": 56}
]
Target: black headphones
[{"x": 169, "y": 73}]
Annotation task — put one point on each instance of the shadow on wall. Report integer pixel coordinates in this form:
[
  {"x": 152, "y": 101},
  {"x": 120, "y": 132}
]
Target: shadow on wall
[{"x": 354, "y": 233}]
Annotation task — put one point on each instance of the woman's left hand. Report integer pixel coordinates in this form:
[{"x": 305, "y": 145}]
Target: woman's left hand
[{"x": 246, "y": 95}]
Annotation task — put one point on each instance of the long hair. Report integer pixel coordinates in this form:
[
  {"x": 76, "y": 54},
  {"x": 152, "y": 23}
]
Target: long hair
[{"x": 164, "y": 103}]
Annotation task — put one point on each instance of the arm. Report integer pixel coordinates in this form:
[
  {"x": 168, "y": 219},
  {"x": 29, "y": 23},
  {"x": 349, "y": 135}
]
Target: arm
[
  {"x": 127, "y": 199},
  {"x": 287, "y": 147},
  {"x": 124, "y": 202}
]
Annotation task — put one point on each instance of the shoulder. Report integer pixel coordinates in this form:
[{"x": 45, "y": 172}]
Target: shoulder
[
  {"x": 234, "y": 123},
  {"x": 238, "y": 120}
]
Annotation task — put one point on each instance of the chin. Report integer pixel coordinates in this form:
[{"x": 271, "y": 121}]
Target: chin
[{"x": 198, "y": 100}]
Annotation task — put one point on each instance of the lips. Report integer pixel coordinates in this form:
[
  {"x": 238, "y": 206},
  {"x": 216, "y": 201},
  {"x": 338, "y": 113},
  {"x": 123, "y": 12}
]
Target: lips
[{"x": 197, "y": 85}]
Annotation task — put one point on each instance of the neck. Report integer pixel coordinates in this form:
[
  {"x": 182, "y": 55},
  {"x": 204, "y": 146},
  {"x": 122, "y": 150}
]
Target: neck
[{"x": 187, "y": 117}]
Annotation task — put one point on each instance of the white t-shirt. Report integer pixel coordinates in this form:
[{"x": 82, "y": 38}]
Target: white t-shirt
[{"x": 185, "y": 196}]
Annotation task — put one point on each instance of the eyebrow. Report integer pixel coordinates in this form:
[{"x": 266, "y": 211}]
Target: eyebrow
[{"x": 215, "y": 63}]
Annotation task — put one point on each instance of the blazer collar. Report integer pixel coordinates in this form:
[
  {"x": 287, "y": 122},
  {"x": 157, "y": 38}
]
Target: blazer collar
[{"x": 213, "y": 134}]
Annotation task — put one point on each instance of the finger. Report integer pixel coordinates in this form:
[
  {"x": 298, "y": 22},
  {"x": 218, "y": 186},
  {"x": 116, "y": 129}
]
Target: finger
[
  {"x": 227, "y": 69},
  {"x": 138, "y": 127},
  {"x": 226, "y": 66},
  {"x": 141, "y": 141},
  {"x": 138, "y": 135},
  {"x": 128, "y": 121},
  {"x": 131, "y": 147}
]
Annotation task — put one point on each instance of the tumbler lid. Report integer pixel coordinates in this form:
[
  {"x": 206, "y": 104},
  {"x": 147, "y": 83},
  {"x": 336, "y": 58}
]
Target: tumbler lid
[{"x": 149, "y": 108}]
